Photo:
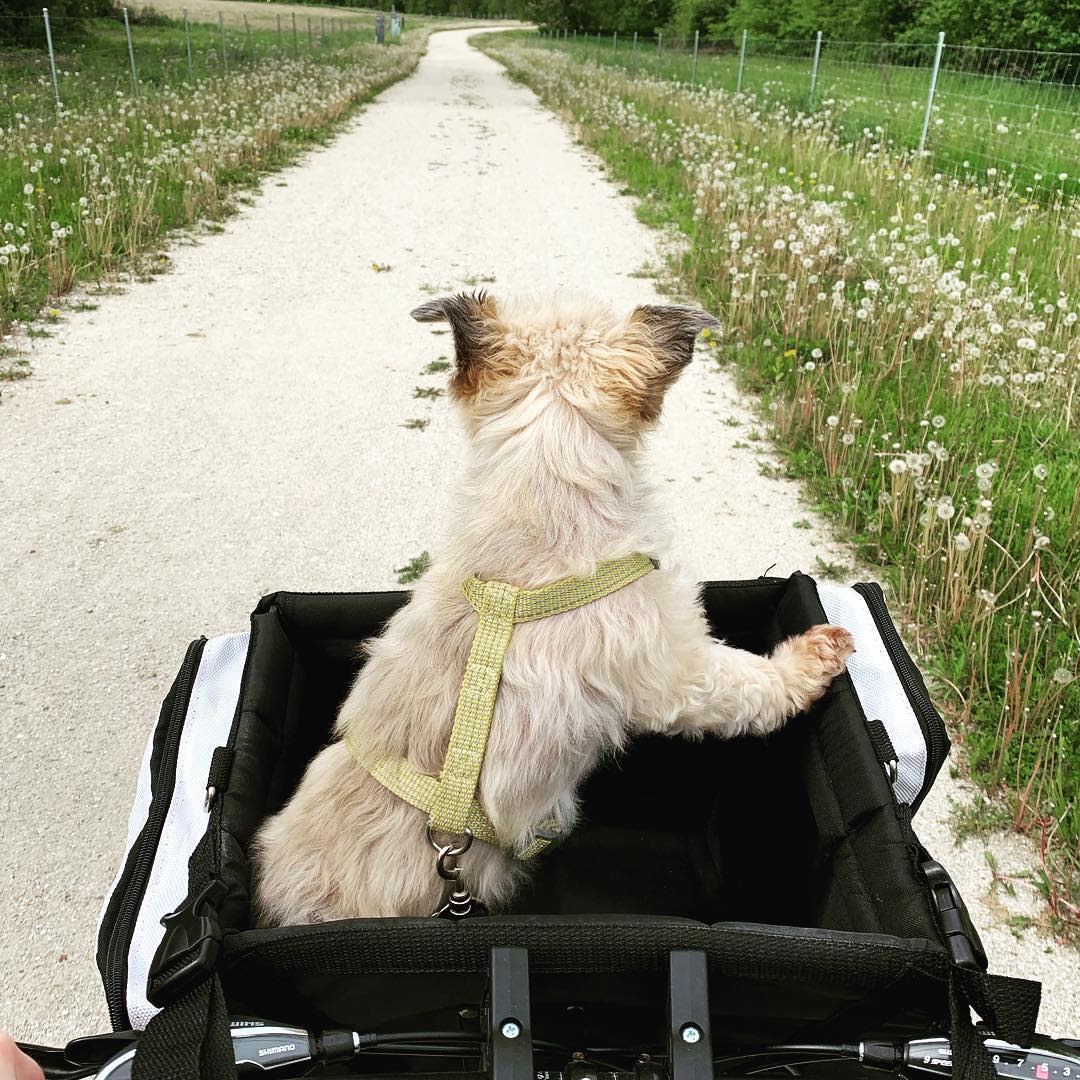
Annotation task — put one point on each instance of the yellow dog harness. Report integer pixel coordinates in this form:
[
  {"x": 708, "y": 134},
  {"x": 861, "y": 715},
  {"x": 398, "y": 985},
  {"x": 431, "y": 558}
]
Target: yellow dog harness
[{"x": 449, "y": 799}]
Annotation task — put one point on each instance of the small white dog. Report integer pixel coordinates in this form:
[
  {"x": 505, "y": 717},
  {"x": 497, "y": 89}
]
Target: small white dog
[{"x": 556, "y": 398}]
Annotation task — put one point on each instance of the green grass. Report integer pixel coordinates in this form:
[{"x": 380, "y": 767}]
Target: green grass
[
  {"x": 429, "y": 392},
  {"x": 413, "y": 569},
  {"x": 914, "y": 344},
  {"x": 983, "y": 117},
  {"x": 89, "y": 191}
]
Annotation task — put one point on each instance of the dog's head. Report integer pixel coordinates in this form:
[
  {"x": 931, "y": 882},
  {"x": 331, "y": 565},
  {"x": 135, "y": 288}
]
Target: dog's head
[{"x": 614, "y": 371}]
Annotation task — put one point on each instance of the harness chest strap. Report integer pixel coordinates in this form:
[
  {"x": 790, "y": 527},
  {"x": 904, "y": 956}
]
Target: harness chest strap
[{"x": 450, "y": 799}]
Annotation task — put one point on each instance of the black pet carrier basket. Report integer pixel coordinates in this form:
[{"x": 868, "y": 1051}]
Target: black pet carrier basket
[{"x": 785, "y": 868}]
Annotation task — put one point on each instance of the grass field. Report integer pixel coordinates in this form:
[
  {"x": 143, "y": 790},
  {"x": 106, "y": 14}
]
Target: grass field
[
  {"x": 85, "y": 190},
  {"x": 993, "y": 109},
  {"x": 914, "y": 342}
]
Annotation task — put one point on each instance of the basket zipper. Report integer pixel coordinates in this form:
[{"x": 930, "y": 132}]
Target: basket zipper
[
  {"x": 933, "y": 728},
  {"x": 124, "y": 924}
]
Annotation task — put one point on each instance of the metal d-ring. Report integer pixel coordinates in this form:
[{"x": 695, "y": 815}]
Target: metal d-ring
[{"x": 448, "y": 870}]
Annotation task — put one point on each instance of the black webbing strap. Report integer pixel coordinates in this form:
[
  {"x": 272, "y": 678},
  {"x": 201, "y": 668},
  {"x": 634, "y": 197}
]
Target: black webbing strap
[
  {"x": 189, "y": 1039},
  {"x": 1009, "y": 1006}
]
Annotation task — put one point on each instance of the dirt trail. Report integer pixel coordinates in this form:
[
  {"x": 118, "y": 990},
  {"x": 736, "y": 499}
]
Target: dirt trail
[{"x": 236, "y": 427}]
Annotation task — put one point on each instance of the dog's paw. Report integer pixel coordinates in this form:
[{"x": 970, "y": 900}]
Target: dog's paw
[
  {"x": 830, "y": 646},
  {"x": 809, "y": 662}
]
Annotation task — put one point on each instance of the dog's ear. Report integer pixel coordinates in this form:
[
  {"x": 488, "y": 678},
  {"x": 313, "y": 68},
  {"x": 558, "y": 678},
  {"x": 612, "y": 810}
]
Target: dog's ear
[
  {"x": 473, "y": 318},
  {"x": 672, "y": 329}
]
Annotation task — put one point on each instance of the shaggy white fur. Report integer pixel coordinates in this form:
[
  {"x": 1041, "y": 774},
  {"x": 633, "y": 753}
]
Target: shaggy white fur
[{"x": 556, "y": 396}]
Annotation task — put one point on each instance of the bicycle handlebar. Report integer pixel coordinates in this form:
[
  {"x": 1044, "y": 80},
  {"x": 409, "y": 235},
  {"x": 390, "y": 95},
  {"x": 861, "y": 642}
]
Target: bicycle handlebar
[{"x": 261, "y": 1047}]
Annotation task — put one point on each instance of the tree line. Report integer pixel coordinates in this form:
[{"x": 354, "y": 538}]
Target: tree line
[{"x": 1002, "y": 24}]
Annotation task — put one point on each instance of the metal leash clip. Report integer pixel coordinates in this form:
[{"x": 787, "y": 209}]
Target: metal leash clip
[{"x": 461, "y": 904}]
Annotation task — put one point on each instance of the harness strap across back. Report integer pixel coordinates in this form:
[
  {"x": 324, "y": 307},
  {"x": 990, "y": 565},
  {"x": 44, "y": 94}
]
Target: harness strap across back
[{"x": 450, "y": 799}]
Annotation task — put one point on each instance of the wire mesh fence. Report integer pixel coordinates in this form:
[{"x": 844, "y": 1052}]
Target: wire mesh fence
[
  {"x": 975, "y": 111},
  {"x": 66, "y": 64}
]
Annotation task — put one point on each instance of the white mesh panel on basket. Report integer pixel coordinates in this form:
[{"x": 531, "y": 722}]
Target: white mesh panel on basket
[
  {"x": 879, "y": 688},
  {"x": 209, "y": 719}
]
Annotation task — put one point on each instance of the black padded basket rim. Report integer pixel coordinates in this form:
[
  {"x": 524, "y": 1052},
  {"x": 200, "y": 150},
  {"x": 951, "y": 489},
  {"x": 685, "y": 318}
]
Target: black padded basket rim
[{"x": 610, "y": 944}]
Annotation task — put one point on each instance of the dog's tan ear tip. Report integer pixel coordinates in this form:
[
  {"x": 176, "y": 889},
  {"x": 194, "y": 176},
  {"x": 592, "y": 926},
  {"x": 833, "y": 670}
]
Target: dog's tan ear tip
[
  {"x": 460, "y": 307},
  {"x": 698, "y": 319},
  {"x": 432, "y": 311},
  {"x": 676, "y": 318}
]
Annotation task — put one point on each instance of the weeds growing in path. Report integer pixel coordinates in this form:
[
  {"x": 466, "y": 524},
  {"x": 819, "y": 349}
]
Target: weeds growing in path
[
  {"x": 914, "y": 339},
  {"x": 413, "y": 569}
]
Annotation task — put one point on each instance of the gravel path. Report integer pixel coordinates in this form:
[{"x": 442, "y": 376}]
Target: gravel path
[{"x": 235, "y": 427}]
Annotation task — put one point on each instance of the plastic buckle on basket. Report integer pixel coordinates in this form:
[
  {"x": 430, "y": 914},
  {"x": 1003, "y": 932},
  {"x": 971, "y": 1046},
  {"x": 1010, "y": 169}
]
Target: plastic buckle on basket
[
  {"x": 188, "y": 951},
  {"x": 960, "y": 934}
]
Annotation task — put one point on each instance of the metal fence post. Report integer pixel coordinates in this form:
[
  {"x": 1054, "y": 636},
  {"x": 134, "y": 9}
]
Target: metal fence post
[
  {"x": 633, "y": 56},
  {"x": 933, "y": 91},
  {"x": 187, "y": 46},
  {"x": 310, "y": 39},
  {"x": 279, "y": 33},
  {"x": 693, "y": 66},
  {"x": 322, "y": 30},
  {"x": 131, "y": 55},
  {"x": 52, "y": 56},
  {"x": 615, "y": 41},
  {"x": 224, "y": 50},
  {"x": 659, "y": 50},
  {"x": 742, "y": 63},
  {"x": 295, "y": 47},
  {"x": 813, "y": 72},
  {"x": 247, "y": 35}
]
